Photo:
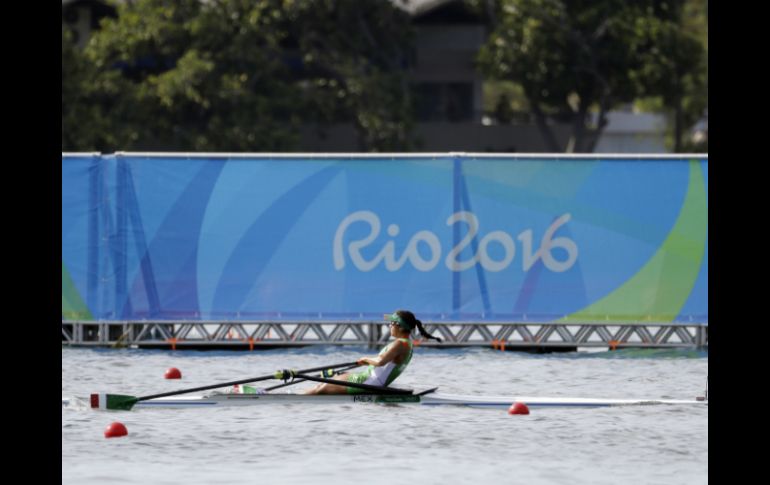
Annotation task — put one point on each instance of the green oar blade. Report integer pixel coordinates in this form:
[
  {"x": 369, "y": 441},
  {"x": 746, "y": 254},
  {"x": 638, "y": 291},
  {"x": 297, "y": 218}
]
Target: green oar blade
[{"x": 113, "y": 401}]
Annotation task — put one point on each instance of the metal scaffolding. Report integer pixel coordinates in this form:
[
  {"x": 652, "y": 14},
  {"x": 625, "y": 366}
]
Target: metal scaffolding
[{"x": 253, "y": 335}]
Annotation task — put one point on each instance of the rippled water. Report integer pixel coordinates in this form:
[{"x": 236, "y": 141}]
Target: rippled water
[{"x": 381, "y": 444}]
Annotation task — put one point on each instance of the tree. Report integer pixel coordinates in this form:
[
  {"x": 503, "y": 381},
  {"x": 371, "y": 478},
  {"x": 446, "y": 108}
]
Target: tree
[
  {"x": 355, "y": 56},
  {"x": 237, "y": 75},
  {"x": 575, "y": 56},
  {"x": 682, "y": 80},
  {"x": 193, "y": 76},
  {"x": 86, "y": 102},
  {"x": 73, "y": 74}
]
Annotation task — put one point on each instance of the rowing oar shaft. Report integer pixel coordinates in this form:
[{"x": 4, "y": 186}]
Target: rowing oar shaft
[
  {"x": 297, "y": 381},
  {"x": 281, "y": 374},
  {"x": 378, "y": 389},
  {"x": 117, "y": 401}
]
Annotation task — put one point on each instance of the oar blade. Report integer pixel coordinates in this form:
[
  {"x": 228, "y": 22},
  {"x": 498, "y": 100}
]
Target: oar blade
[{"x": 113, "y": 401}]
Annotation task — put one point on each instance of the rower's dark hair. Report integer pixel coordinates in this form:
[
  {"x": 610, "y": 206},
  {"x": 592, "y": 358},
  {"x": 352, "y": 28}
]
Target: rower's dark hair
[{"x": 412, "y": 321}]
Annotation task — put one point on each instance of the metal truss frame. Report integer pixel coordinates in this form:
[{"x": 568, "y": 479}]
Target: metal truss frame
[{"x": 271, "y": 334}]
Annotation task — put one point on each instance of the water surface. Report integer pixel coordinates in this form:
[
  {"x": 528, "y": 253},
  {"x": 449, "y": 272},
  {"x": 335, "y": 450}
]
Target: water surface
[{"x": 384, "y": 444}]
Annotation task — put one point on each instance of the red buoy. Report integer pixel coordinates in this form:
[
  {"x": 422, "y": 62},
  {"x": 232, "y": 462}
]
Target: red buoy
[
  {"x": 518, "y": 408},
  {"x": 173, "y": 373},
  {"x": 115, "y": 430}
]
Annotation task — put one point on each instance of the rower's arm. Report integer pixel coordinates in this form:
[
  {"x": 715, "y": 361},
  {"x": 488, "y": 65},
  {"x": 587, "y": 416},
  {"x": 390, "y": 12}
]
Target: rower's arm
[{"x": 392, "y": 353}]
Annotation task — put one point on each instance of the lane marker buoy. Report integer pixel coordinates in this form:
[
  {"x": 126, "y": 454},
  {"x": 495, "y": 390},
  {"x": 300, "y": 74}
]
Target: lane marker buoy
[
  {"x": 115, "y": 430},
  {"x": 518, "y": 408},
  {"x": 173, "y": 373}
]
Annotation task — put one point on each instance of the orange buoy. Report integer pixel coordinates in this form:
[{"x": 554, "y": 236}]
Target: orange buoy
[
  {"x": 518, "y": 408},
  {"x": 115, "y": 430},
  {"x": 173, "y": 373}
]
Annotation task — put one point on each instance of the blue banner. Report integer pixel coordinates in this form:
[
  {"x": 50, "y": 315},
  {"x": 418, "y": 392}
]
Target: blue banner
[{"x": 453, "y": 237}]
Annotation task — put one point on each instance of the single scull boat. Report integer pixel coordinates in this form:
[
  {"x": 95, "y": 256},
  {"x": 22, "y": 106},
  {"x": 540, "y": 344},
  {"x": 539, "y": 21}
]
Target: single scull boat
[
  {"x": 247, "y": 395},
  {"x": 425, "y": 398}
]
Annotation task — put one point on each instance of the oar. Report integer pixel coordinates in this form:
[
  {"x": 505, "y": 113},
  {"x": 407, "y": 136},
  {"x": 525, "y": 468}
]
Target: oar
[
  {"x": 119, "y": 401},
  {"x": 325, "y": 373}
]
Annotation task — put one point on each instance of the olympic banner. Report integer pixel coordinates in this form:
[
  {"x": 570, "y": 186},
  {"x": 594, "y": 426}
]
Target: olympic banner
[{"x": 464, "y": 237}]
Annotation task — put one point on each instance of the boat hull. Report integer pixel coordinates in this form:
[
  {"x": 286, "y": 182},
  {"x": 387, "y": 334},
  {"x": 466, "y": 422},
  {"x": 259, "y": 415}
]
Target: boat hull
[{"x": 231, "y": 400}]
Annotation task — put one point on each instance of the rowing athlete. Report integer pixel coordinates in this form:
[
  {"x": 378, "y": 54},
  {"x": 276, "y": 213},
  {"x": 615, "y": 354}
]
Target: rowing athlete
[{"x": 389, "y": 364}]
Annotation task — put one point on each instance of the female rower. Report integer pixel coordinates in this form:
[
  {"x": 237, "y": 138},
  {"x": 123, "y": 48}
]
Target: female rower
[{"x": 389, "y": 364}]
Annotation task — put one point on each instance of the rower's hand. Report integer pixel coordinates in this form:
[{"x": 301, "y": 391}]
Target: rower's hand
[{"x": 361, "y": 361}]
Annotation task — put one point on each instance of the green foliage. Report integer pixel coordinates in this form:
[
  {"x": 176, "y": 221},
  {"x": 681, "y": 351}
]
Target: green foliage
[
  {"x": 355, "y": 55},
  {"x": 572, "y": 57},
  {"x": 236, "y": 75},
  {"x": 505, "y": 100},
  {"x": 679, "y": 82},
  {"x": 74, "y": 107}
]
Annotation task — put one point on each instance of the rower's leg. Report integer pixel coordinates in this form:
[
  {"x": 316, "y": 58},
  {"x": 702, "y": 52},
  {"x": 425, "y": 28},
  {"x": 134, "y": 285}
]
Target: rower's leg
[{"x": 326, "y": 388}]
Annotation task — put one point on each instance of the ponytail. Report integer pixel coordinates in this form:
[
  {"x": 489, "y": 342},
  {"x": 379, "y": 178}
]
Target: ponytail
[
  {"x": 423, "y": 332},
  {"x": 407, "y": 321}
]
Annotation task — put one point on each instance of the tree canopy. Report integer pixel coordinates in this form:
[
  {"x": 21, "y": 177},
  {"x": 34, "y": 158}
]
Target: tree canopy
[
  {"x": 237, "y": 75},
  {"x": 572, "y": 57}
]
